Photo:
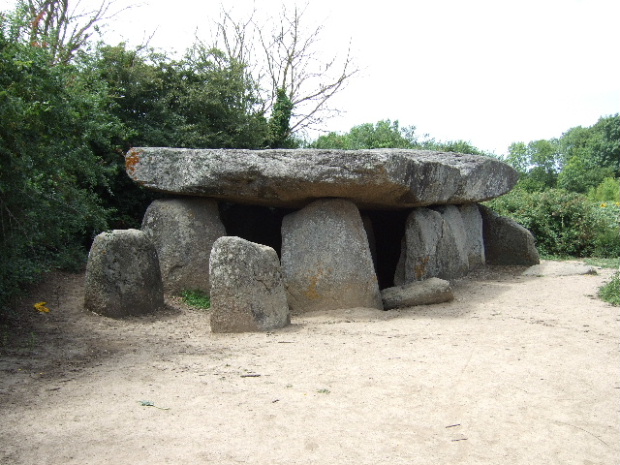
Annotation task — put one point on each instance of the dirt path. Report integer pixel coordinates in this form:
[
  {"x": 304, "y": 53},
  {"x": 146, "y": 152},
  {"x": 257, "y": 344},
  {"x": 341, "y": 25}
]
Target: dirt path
[{"x": 517, "y": 370}]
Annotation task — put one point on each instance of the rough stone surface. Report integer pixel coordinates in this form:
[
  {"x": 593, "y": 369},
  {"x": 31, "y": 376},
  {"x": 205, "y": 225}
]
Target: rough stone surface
[
  {"x": 506, "y": 242},
  {"x": 423, "y": 232},
  {"x": 183, "y": 231},
  {"x": 122, "y": 275},
  {"x": 399, "y": 273},
  {"x": 326, "y": 259},
  {"x": 429, "y": 291},
  {"x": 247, "y": 290},
  {"x": 472, "y": 220},
  {"x": 385, "y": 178},
  {"x": 452, "y": 253}
]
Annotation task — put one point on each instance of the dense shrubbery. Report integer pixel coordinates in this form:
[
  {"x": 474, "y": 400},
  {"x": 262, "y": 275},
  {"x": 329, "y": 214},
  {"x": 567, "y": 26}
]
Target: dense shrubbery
[
  {"x": 564, "y": 223},
  {"x": 610, "y": 292},
  {"x": 52, "y": 122}
]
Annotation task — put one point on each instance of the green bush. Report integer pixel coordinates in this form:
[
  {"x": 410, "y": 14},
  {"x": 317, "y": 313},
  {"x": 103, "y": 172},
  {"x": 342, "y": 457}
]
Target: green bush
[
  {"x": 563, "y": 223},
  {"x": 49, "y": 171},
  {"x": 606, "y": 191},
  {"x": 610, "y": 292}
]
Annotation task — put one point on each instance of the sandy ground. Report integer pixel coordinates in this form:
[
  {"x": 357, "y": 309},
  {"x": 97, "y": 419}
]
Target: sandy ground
[{"x": 517, "y": 370}]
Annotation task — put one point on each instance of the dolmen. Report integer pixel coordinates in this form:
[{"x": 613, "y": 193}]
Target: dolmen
[{"x": 381, "y": 228}]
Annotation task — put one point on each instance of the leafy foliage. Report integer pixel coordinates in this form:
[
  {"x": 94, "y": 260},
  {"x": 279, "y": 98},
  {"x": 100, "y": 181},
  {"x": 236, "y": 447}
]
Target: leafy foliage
[
  {"x": 607, "y": 191},
  {"x": 52, "y": 122},
  {"x": 610, "y": 292},
  {"x": 279, "y": 123},
  {"x": 196, "y": 298},
  {"x": 563, "y": 223}
]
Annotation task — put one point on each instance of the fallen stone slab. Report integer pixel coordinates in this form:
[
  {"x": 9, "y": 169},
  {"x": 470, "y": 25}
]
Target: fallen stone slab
[
  {"x": 550, "y": 268},
  {"x": 247, "y": 290},
  {"x": 429, "y": 291},
  {"x": 382, "y": 178}
]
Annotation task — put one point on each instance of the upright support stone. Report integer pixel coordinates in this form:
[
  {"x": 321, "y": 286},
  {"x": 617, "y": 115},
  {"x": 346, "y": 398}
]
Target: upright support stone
[
  {"x": 423, "y": 232},
  {"x": 326, "y": 260},
  {"x": 435, "y": 246},
  {"x": 183, "y": 231},
  {"x": 247, "y": 290},
  {"x": 506, "y": 242},
  {"x": 472, "y": 219},
  {"x": 452, "y": 260},
  {"x": 122, "y": 275}
]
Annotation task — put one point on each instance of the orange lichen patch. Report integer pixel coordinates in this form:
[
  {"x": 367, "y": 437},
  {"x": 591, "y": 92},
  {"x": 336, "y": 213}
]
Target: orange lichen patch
[
  {"x": 312, "y": 292},
  {"x": 420, "y": 268},
  {"x": 131, "y": 160}
]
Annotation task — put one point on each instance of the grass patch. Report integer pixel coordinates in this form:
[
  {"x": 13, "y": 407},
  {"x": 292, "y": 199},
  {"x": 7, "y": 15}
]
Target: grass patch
[
  {"x": 196, "y": 298},
  {"x": 610, "y": 292},
  {"x": 604, "y": 262}
]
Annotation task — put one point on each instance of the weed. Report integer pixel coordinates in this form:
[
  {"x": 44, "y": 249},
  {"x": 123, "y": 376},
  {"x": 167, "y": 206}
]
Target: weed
[
  {"x": 610, "y": 292},
  {"x": 324, "y": 391},
  {"x": 196, "y": 298}
]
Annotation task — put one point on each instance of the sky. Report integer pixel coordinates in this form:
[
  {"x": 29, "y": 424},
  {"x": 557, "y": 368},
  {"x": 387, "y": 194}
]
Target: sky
[{"x": 490, "y": 72}]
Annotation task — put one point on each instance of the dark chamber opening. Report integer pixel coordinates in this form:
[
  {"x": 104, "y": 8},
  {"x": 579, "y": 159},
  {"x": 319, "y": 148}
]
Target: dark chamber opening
[{"x": 263, "y": 225}]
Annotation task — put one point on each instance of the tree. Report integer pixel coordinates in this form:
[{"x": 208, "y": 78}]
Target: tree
[
  {"x": 287, "y": 60},
  {"x": 54, "y": 26},
  {"x": 383, "y": 134},
  {"x": 52, "y": 120},
  {"x": 590, "y": 154},
  {"x": 538, "y": 163}
]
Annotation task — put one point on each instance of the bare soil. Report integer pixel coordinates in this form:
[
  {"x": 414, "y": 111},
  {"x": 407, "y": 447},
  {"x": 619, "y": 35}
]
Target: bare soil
[{"x": 517, "y": 370}]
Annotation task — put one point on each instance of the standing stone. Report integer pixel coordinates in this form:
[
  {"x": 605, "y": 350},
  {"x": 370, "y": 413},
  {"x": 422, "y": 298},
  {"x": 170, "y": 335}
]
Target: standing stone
[
  {"x": 423, "y": 232},
  {"x": 372, "y": 241},
  {"x": 452, "y": 260},
  {"x": 472, "y": 219},
  {"x": 122, "y": 275},
  {"x": 326, "y": 259},
  {"x": 247, "y": 290},
  {"x": 435, "y": 246},
  {"x": 183, "y": 231},
  {"x": 506, "y": 242},
  {"x": 399, "y": 273}
]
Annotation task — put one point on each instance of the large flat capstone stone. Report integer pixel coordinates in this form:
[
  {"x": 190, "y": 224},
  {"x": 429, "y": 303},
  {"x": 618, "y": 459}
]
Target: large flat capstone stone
[{"x": 383, "y": 178}]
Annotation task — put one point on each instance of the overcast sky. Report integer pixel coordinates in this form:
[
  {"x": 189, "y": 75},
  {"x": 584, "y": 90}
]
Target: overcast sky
[{"x": 490, "y": 72}]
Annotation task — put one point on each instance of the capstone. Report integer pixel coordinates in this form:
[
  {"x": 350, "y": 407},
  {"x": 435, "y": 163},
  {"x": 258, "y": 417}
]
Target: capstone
[{"x": 382, "y": 178}]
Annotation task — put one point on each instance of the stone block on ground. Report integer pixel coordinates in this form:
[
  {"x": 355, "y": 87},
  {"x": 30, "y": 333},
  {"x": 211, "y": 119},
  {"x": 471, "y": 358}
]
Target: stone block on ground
[
  {"x": 326, "y": 259},
  {"x": 183, "y": 231},
  {"x": 122, "y": 275},
  {"x": 506, "y": 242},
  {"x": 247, "y": 290},
  {"x": 429, "y": 291}
]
